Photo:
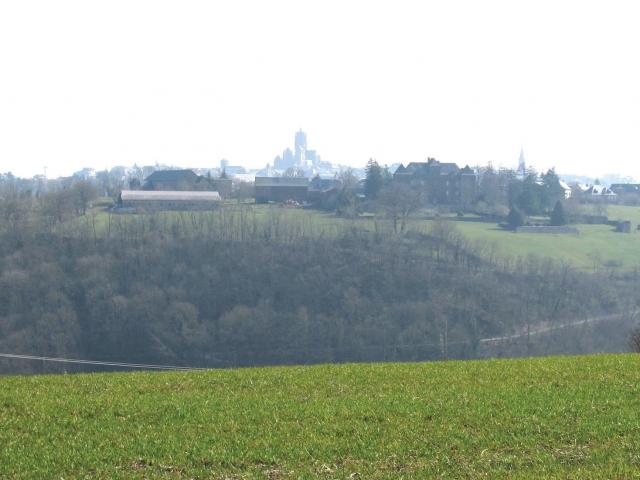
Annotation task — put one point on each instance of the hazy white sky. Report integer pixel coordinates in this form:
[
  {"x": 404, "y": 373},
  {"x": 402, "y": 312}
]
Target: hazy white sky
[{"x": 88, "y": 83}]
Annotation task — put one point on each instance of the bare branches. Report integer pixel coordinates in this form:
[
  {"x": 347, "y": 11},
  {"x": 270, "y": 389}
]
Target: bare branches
[{"x": 634, "y": 340}]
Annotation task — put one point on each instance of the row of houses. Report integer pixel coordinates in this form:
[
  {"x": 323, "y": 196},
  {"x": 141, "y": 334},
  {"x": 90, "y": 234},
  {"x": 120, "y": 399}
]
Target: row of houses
[
  {"x": 444, "y": 183},
  {"x": 626, "y": 188}
]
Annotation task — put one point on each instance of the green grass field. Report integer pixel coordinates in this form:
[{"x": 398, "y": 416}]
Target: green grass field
[
  {"x": 622, "y": 212},
  {"x": 597, "y": 246},
  {"x": 564, "y": 417}
]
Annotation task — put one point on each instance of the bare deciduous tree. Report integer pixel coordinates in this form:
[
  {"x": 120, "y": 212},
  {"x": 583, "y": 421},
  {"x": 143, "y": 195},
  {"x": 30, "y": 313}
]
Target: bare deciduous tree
[
  {"x": 634, "y": 340},
  {"x": 83, "y": 193},
  {"x": 398, "y": 201}
]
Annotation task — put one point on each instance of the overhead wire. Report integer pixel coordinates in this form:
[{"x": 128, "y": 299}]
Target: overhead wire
[
  {"x": 389, "y": 347},
  {"x": 142, "y": 366}
]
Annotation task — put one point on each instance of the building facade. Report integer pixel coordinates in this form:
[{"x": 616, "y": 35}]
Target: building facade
[
  {"x": 444, "y": 183},
  {"x": 281, "y": 189},
  {"x": 172, "y": 180},
  {"x": 626, "y": 188}
]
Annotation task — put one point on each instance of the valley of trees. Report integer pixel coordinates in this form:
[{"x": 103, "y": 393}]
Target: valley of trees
[{"x": 229, "y": 288}]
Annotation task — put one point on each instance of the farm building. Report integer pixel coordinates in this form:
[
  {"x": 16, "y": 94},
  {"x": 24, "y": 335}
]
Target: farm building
[
  {"x": 626, "y": 188},
  {"x": 281, "y": 189},
  {"x": 174, "y": 180},
  {"x": 223, "y": 186},
  {"x": 171, "y": 180},
  {"x": 445, "y": 183},
  {"x": 187, "y": 180},
  {"x": 146, "y": 200},
  {"x": 599, "y": 191},
  {"x": 566, "y": 188}
]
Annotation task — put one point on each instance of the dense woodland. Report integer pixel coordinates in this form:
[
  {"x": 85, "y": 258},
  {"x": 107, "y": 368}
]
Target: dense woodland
[{"x": 230, "y": 288}]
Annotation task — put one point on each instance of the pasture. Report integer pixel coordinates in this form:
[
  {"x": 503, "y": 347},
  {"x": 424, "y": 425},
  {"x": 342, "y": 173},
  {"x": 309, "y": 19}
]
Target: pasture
[
  {"x": 596, "y": 247},
  {"x": 556, "y": 417}
]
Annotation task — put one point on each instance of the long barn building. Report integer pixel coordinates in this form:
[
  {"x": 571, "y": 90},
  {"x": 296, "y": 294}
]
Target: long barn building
[{"x": 146, "y": 200}]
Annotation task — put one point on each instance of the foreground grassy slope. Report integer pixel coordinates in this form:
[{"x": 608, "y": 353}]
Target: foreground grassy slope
[{"x": 533, "y": 418}]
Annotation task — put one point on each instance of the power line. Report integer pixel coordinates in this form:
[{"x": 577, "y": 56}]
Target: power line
[
  {"x": 97, "y": 362},
  {"x": 390, "y": 347}
]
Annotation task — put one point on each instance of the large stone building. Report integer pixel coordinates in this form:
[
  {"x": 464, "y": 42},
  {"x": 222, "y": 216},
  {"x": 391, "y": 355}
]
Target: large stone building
[
  {"x": 445, "y": 183},
  {"x": 281, "y": 189},
  {"x": 186, "y": 180},
  {"x": 145, "y": 200},
  {"x": 172, "y": 180}
]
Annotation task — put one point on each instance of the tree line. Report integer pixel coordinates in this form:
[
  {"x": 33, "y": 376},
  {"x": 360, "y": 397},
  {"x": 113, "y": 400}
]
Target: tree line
[{"x": 231, "y": 288}]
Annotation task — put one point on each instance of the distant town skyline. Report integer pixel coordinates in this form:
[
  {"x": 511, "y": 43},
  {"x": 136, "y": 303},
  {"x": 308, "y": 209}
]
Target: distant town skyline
[
  {"x": 516, "y": 165},
  {"x": 99, "y": 85}
]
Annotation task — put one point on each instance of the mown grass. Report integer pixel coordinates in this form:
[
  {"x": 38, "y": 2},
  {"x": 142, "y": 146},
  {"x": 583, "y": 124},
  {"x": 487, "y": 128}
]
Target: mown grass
[
  {"x": 624, "y": 212},
  {"x": 566, "y": 417},
  {"x": 595, "y": 247}
]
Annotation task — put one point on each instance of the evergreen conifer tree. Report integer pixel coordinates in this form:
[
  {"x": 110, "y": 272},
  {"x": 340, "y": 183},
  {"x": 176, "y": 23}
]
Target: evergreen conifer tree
[
  {"x": 516, "y": 218},
  {"x": 374, "y": 181},
  {"x": 558, "y": 216}
]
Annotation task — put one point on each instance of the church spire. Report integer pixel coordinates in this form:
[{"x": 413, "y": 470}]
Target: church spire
[{"x": 522, "y": 165}]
